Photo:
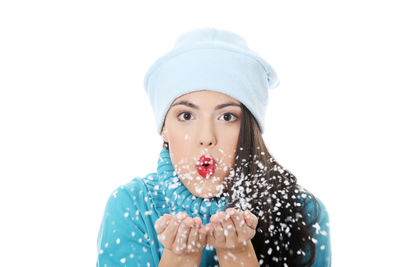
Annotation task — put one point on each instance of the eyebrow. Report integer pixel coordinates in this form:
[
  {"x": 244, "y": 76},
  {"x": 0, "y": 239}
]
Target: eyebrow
[{"x": 191, "y": 105}]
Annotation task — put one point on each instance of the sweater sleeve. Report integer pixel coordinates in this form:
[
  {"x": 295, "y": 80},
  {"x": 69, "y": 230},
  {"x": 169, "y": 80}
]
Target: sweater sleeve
[
  {"x": 321, "y": 233},
  {"x": 122, "y": 240}
]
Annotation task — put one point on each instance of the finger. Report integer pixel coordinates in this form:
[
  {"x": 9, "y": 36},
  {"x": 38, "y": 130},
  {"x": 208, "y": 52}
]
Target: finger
[
  {"x": 229, "y": 231},
  {"x": 251, "y": 222},
  {"x": 202, "y": 236},
  {"x": 210, "y": 238},
  {"x": 218, "y": 230},
  {"x": 240, "y": 226},
  {"x": 219, "y": 234},
  {"x": 167, "y": 238},
  {"x": 193, "y": 244},
  {"x": 162, "y": 223},
  {"x": 180, "y": 243},
  {"x": 251, "y": 219}
]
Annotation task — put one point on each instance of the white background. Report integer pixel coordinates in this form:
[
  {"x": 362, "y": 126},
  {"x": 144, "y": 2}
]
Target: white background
[{"x": 76, "y": 123}]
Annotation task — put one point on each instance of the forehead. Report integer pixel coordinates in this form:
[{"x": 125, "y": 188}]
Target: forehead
[{"x": 206, "y": 96}]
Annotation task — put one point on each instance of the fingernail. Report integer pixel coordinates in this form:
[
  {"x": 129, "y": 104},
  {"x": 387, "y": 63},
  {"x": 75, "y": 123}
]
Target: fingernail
[
  {"x": 180, "y": 216},
  {"x": 227, "y": 216},
  {"x": 230, "y": 211},
  {"x": 159, "y": 224},
  {"x": 188, "y": 222},
  {"x": 223, "y": 216},
  {"x": 198, "y": 220}
]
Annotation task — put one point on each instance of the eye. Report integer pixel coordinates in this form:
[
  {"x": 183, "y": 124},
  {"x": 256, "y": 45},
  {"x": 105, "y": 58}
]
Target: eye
[
  {"x": 229, "y": 117},
  {"x": 186, "y": 116}
]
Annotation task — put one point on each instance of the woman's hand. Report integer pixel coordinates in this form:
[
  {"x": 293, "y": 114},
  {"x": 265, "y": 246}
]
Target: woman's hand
[
  {"x": 231, "y": 229},
  {"x": 181, "y": 234}
]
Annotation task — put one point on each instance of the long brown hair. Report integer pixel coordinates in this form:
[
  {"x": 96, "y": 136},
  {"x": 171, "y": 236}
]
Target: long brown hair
[{"x": 260, "y": 184}]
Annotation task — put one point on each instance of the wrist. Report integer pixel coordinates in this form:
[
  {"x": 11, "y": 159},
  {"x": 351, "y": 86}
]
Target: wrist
[
  {"x": 247, "y": 246},
  {"x": 242, "y": 256},
  {"x": 187, "y": 259}
]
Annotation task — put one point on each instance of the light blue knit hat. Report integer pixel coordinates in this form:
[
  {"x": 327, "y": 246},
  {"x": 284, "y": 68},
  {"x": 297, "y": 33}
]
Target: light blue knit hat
[{"x": 210, "y": 59}]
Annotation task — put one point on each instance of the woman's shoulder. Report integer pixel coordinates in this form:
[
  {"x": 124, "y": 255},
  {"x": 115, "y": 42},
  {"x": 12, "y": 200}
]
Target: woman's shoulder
[
  {"x": 316, "y": 210},
  {"x": 139, "y": 185},
  {"x": 126, "y": 226},
  {"x": 317, "y": 218},
  {"x": 135, "y": 191}
]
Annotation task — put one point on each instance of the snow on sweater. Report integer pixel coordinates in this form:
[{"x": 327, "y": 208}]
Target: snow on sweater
[{"x": 127, "y": 236}]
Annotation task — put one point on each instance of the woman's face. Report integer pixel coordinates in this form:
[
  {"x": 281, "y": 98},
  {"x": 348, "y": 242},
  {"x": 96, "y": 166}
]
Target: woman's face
[{"x": 203, "y": 123}]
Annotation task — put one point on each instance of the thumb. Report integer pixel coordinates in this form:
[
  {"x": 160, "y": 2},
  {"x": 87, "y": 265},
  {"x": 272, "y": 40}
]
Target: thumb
[
  {"x": 250, "y": 219},
  {"x": 162, "y": 223}
]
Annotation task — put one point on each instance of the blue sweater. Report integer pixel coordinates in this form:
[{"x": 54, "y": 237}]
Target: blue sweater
[{"x": 127, "y": 236}]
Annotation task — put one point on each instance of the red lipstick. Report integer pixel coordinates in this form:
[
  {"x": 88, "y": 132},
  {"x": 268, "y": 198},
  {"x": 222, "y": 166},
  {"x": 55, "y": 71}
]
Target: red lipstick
[{"x": 206, "y": 166}]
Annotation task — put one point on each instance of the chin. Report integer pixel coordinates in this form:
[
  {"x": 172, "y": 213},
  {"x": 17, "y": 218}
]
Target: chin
[
  {"x": 206, "y": 191},
  {"x": 203, "y": 195},
  {"x": 202, "y": 187}
]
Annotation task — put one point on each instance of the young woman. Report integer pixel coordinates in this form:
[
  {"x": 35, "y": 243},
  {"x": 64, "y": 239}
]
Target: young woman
[{"x": 218, "y": 196}]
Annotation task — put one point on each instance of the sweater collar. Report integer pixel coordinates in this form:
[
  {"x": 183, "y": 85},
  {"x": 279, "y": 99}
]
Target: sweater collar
[{"x": 179, "y": 198}]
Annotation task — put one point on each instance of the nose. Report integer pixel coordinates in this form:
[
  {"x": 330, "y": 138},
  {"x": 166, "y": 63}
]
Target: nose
[
  {"x": 207, "y": 136},
  {"x": 207, "y": 144}
]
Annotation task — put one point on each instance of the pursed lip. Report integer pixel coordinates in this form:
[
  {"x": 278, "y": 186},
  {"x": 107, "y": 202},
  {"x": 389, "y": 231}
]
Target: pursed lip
[{"x": 206, "y": 166}]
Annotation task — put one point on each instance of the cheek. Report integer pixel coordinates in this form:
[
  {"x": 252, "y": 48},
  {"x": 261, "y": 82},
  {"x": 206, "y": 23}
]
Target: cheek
[
  {"x": 234, "y": 139},
  {"x": 180, "y": 154},
  {"x": 179, "y": 135},
  {"x": 228, "y": 140},
  {"x": 180, "y": 142},
  {"x": 230, "y": 162},
  {"x": 228, "y": 153},
  {"x": 228, "y": 135}
]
